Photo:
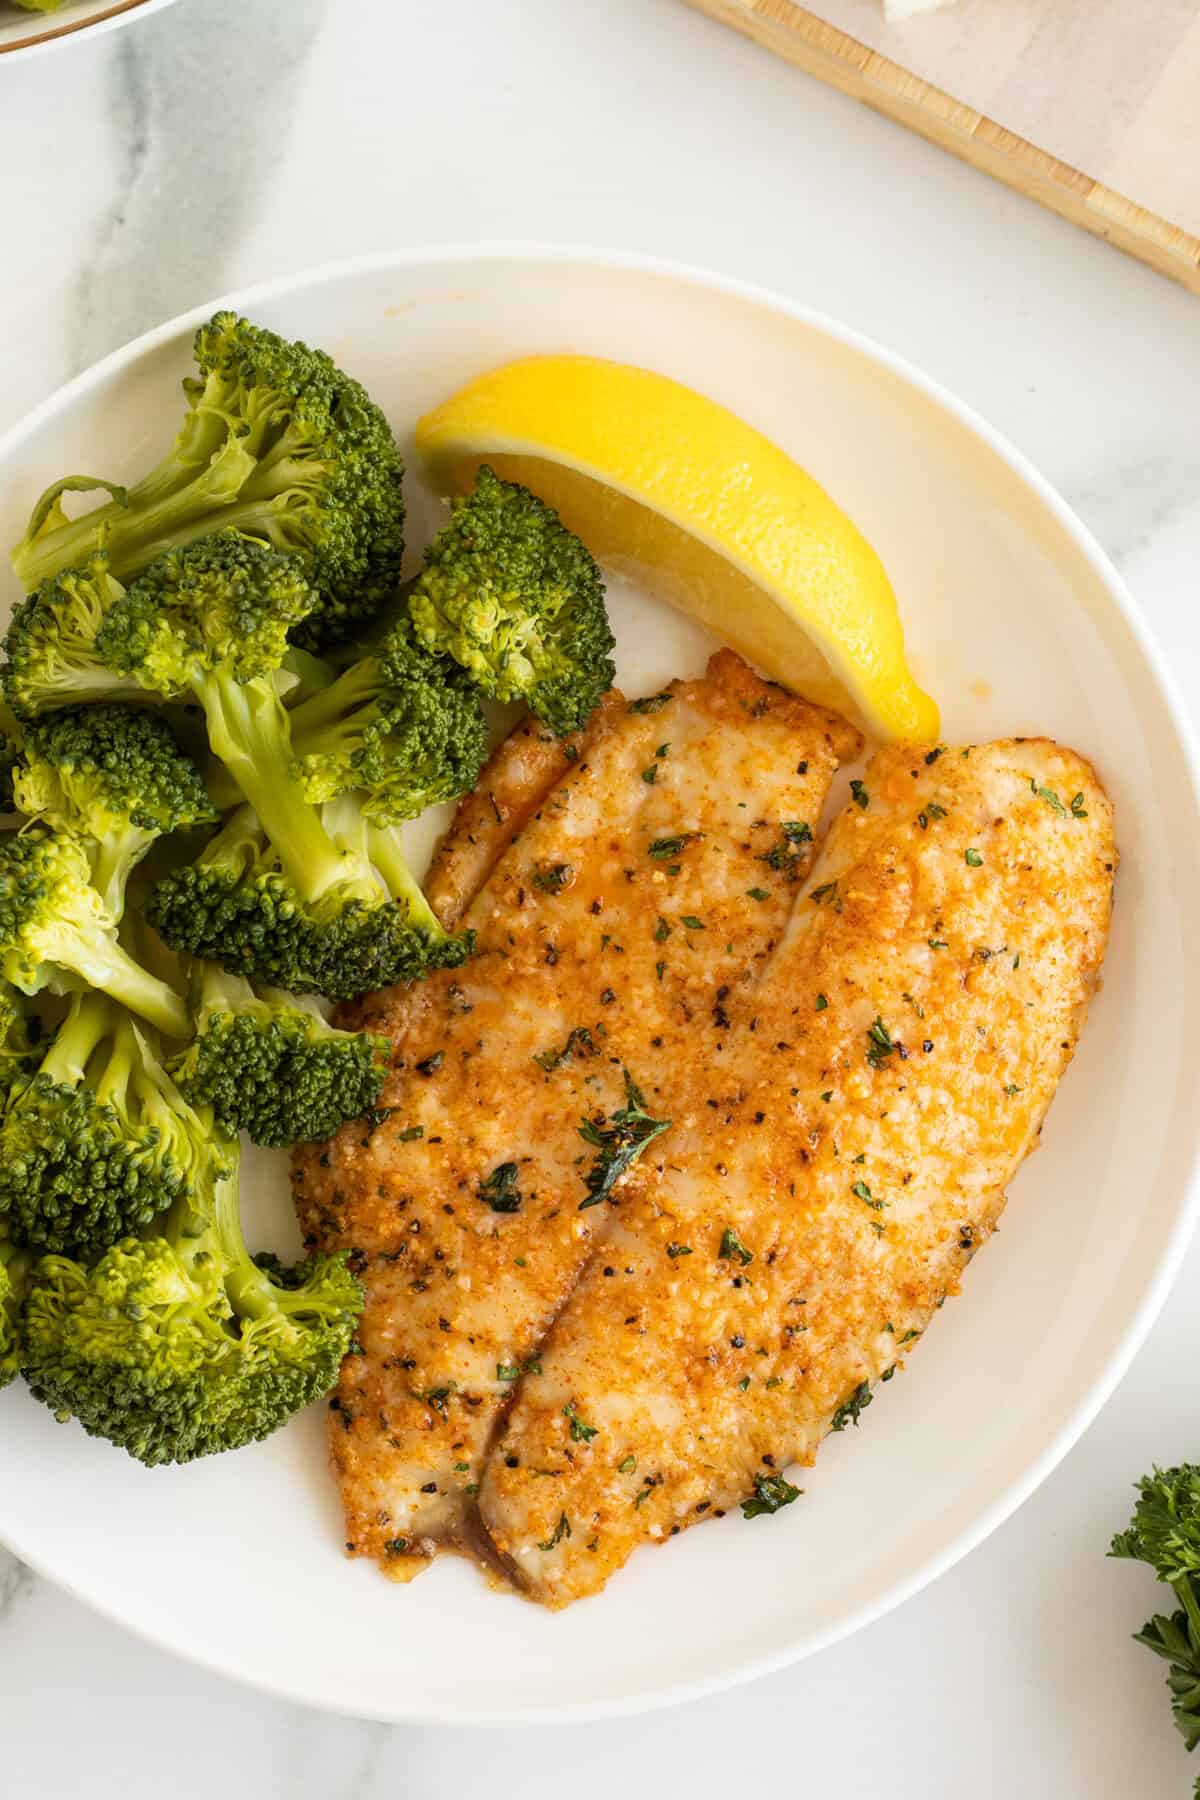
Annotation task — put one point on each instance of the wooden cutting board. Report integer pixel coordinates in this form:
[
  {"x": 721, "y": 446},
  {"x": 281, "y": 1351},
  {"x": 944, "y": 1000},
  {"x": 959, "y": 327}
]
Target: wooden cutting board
[{"x": 1091, "y": 107}]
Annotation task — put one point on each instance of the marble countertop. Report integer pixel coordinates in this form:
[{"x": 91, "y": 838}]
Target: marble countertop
[{"x": 222, "y": 142}]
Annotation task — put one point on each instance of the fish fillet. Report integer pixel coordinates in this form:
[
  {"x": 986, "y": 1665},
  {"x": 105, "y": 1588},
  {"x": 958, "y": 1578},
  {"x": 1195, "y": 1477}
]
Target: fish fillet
[
  {"x": 621, "y": 929},
  {"x": 844, "y": 1157}
]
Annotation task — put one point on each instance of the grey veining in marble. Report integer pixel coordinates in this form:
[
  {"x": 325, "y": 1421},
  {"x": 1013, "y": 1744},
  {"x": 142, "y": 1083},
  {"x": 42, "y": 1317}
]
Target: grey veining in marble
[{"x": 200, "y": 117}]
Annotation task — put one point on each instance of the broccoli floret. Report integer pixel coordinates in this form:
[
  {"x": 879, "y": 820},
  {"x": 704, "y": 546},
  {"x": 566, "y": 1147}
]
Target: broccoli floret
[
  {"x": 92, "y": 1146},
  {"x": 115, "y": 777},
  {"x": 277, "y": 443},
  {"x": 177, "y": 1344},
  {"x": 514, "y": 597},
  {"x": 15, "y": 1266},
  {"x": 401, "y": 725},
  {"x": 11, "y": 738},
  {"x": 237, "y": 906},
  {"x": 50, "y": 647},
  {"x": 270, "y": 1065},
  {"x": 20, "y": 1041},
  {"x": 55, "y": 928}
]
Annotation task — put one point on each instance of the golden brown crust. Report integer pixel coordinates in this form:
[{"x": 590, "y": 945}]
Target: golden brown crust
[
  {"x": 637, "y": 906},
  {"x": 514, "y": 781},
  {"x": 845, "y": 1158}
]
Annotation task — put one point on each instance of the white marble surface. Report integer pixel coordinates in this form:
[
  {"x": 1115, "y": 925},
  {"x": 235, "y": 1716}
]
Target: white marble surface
[{"x": 226, "y": 141}]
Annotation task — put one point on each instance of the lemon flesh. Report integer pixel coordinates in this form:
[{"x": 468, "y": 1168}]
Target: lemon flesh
[{"x": 674, "y": 491}]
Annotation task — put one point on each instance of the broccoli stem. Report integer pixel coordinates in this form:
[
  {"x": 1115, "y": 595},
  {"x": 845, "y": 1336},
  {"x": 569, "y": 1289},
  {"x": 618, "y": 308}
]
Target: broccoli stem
[
  {"x": 248, "y": 730},
  {"x": 89, "y": 950},
  {"x": 387, "y": 855},
  {"x": 135, "y": 533},
  {"x": 358, "y": 685},
  {"x": 114, "y": 860},
  {"x": 87, "y": 1023}
]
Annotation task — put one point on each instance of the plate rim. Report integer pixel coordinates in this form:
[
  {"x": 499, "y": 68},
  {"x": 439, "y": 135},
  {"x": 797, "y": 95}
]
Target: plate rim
[
  {"x": 118, "y": 13},
  {"x": 1101, "y": 1387}
]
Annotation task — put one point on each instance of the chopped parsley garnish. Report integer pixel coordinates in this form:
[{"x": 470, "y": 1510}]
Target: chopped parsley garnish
[
  {"x": 508, "y": 1371},
  {"x": 579, "y": 1043},
  {"x": 663, "y": 750},
  {"x": 674, "y": 1250},
  {"x": 619, "y": 1143},
  {"x": 627, "y": 1465},
  {"x": 880, "y": 1043},
  {"x": 1012, "y": 1089},
  {"x": 862, "y": 1192},
  {"x": 500, "y": 1189},
  {"x": 757, "y": 894},
  {"x": 972, "y": 858},
  {"x": 561, "y": 1530},
  {"x": 933, "y": 755},
  {"x": 1049, "y": 796},
  {"x": 664, "y": 847},
  {"x": 744, "y": 1383},
  {"x": 861, "y": 797},
  {"x": 650, "y": 775},
  {"x": 411, "y": 1133},
  {"x": 662, "y": 932},
  {"x": 437, "y": 1397},
  {"x": 691, "y": 921},
  {"x": 848, "y": 1412},
  {"x": 651, "y": 704},
  {"x": 580, "y": 1433},
  {"x": 932, "y": 811},
  {"x": 785, "y": 855},
  {"x": 732, "y": 1245},
  {"x": 1078, "y": 809},
  {"x": 429, "y": 1065},
  {"x": 938, "y": 944},
  {"x": 395, "y": 1546},
  {"x": 909, "y": 1336},
  {"x": 827, "y": 895},
  {"x": 660, "y": 969},
  {"x": 554, "y": 879},
  {"x": 770, "y": 1493},
  {"x": 821, "y": 1003}
]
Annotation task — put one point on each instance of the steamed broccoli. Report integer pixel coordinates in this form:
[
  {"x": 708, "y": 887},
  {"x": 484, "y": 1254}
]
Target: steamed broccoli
[
  {"x": 178, "y": 1344},
  {"x": 50, "y": 647},
  {"x": 55, "y": 930},
  {"x": 93, "y": 1145},
  {"x": 343, "y": 930},
  {"x": 277, "y": 443},
  {"x": 15, "y": 1264},
  {"x": 401, "y": 725},
  {"x": 269, "y": 1064},
  {"x": 19, "y": 1040},
  {"x": 11, "y": 738},
  {"x": 517, "y": 599},
  {"x": 115, "y": 777}
]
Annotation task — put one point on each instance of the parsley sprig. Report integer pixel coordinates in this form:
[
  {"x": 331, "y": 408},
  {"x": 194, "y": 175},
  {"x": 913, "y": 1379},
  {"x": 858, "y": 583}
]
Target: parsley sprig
[
  {"x": 619, "y": 1143},
  {"x": 1165, "y": 1534}
]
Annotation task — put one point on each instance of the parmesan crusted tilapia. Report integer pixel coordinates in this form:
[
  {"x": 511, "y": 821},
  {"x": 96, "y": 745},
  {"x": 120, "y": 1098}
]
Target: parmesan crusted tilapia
[
  {"x": 631, "y": 886},
  {"x": 839, "y": 1160}
]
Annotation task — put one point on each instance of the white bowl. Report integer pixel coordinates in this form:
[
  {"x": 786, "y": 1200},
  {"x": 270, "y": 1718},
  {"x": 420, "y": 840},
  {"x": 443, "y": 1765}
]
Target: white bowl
[
  {"x": 25, "y": 33},
  {"x": 1018, "y": 624}
]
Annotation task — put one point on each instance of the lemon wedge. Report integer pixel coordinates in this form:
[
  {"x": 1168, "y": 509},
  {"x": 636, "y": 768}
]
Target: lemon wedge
[{"x": 671, "y": 489}]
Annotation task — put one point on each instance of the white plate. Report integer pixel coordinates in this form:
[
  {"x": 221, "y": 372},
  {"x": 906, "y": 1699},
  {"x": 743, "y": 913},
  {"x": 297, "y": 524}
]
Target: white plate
[
  {"x": 25, "y": 33},
  {"x": 1018, "y": 624}
]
